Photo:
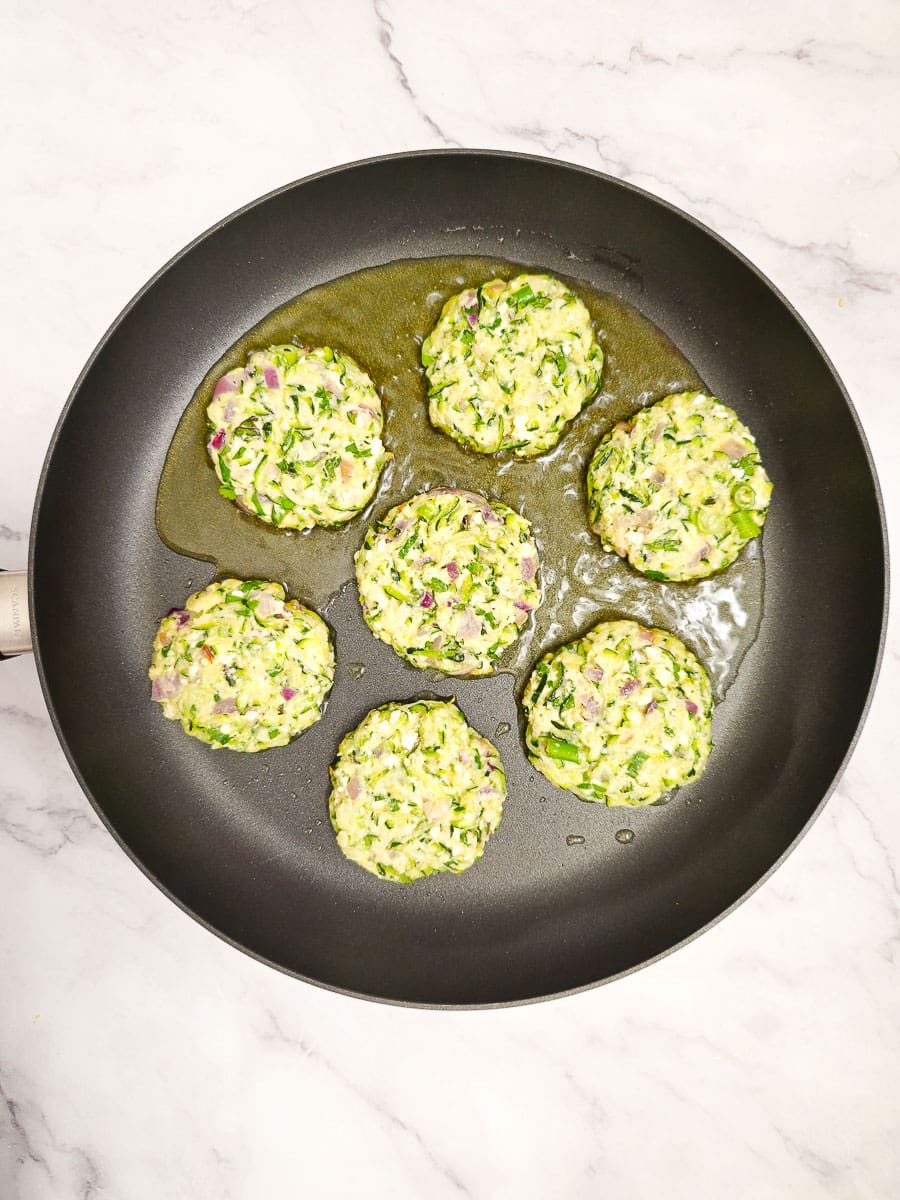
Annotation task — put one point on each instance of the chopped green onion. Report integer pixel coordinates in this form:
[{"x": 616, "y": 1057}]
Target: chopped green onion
[
  {"x": 524, "y": 295},
  {"x": 636, "y": 762},
  {"x": 563, "y": 751},
  {"x": 403, "y": 597},
  {"x": 745, "y": 523},
  {"x": 748, "y": 463},
  {"x": 743, "y": 495}
]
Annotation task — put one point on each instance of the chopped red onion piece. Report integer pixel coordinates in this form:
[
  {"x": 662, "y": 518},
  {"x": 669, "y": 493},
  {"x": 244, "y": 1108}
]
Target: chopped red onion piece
[
  {"x": 453, "y": 570},
  {"x": 225, "y": 384},
  {"x": 218, "y": 440},
  {"x": 181, "y": 614},
  {"x": 427, "y": 600},
  {"x": 529, "y": 569},
  {"x": 595, "y": 674},
  {"x": 354, "y": 787},
  {"x": 271, "y": 377},
  {"x": 627, "y": 688},
  {"x": 223, "y": 708},
  {"x": 469, "y": 626},
  {"x": 651, "y": 707},
  {"x": 166, "y": 687},
  {"x": 288, "y": 693},
  {"x": 691, "y": 707},
  {"x": 521, "y": 604}
]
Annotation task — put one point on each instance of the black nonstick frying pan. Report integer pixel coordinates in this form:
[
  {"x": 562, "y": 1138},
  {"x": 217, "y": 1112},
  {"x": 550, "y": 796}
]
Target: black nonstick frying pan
[{"x": 242, "y": 842}]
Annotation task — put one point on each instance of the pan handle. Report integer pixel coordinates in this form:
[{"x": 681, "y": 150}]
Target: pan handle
[{"x": 15, "y": 627}]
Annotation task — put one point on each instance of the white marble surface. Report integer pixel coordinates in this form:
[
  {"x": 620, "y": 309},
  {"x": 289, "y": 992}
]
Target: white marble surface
[{"x": 140, "y": 1057}]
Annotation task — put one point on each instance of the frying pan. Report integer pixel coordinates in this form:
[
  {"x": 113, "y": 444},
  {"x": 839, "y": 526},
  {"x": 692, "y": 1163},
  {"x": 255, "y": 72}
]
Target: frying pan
[{"x": 242, "y": 842}]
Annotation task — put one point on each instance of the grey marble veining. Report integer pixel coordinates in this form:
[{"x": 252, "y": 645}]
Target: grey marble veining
[{"x": 139, "y": 1056}]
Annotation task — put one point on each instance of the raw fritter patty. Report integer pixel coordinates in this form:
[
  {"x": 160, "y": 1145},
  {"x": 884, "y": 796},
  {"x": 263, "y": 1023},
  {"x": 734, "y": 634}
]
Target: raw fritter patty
[
  {"x": 508, "y": 364},
  {"x": 240, "y": 666},
  {"x": 415, "y": 791},
  {"x": 295, "y": 436},
  {"x": 620, "y": 716},
  {"x": 448, "y": 579},
  {"x": 679, "y": 489}
]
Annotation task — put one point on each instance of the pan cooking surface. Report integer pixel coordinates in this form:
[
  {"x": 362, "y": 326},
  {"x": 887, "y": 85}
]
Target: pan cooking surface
[
  {"x": 380, "y": 315},
  {"x": 243, "y": 842}
]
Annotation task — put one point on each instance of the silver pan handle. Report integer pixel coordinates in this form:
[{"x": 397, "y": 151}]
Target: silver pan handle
[{"x": 15, "y": 627}]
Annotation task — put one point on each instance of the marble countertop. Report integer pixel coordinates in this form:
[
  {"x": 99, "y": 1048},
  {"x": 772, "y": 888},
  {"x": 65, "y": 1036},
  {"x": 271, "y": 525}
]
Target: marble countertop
[{"x": 141, "y": 1057}]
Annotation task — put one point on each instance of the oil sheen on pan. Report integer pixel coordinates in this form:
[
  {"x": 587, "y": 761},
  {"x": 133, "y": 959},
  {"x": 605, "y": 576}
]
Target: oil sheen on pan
[{"x": 380, "y": 316}]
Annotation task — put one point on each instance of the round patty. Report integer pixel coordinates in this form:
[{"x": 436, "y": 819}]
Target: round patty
[
  {"x": 620, "y": 716},
  {"x": 679, "y": 489},
  {"x": 509, "y": 363},
  {"x": 449, "y": 579},
  {"x": 295, "y": 436},
  {"x": 415, "y": 791},
  {"x": 240, "y": 666}
]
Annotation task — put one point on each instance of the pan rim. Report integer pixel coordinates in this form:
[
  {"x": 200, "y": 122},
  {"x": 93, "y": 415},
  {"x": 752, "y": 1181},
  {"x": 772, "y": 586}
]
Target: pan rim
[{"x": 458, "y": 152}]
